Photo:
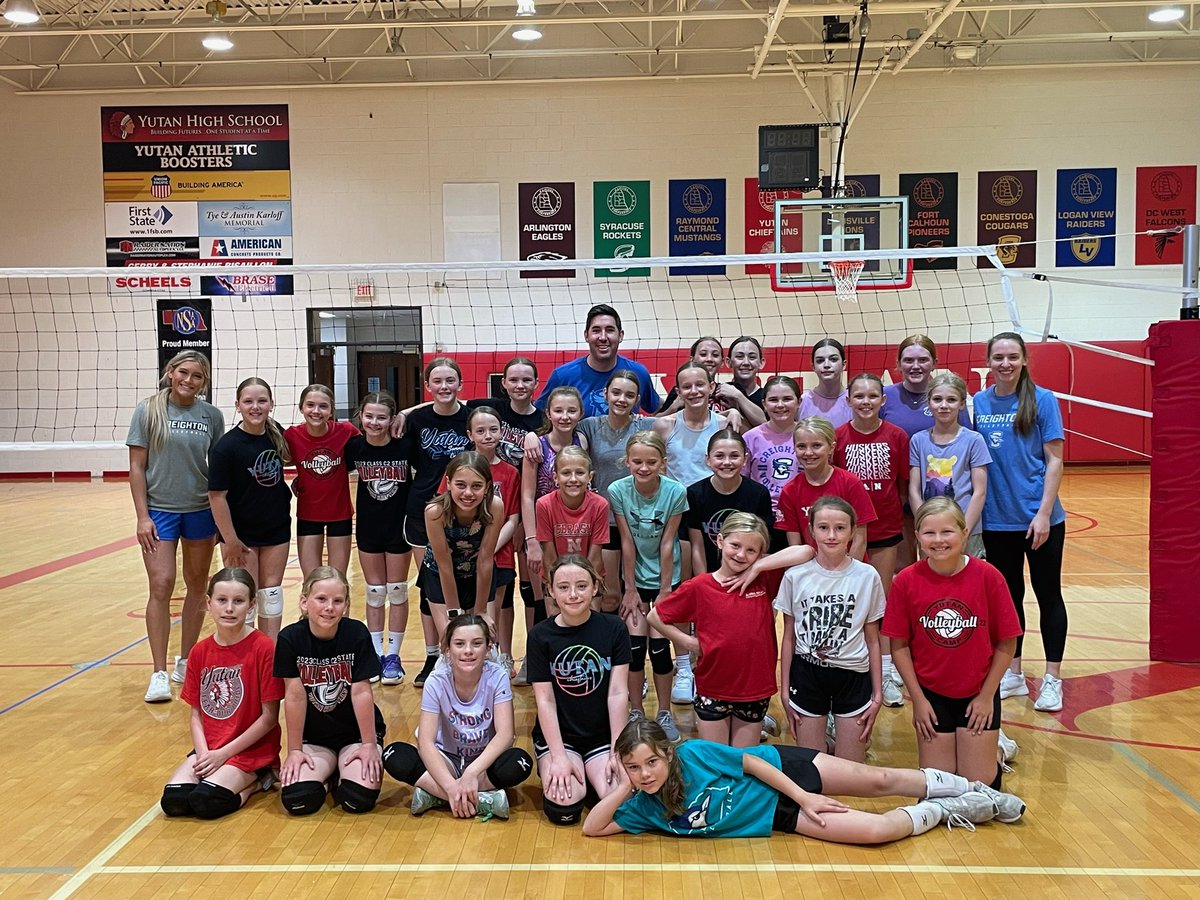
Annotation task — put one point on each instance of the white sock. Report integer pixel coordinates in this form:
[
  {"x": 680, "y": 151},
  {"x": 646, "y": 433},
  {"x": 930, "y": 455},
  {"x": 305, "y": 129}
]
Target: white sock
[
  {"x": 377, "y": 640},
  {"x": 432, "y": 650},
  {"x": 683, "y": 662},
  {"x": 395, "y": 640},
  {"x": 888, "y": 668},
  {"x": 925, "y": 816},
  {"x": 944, "y": 784}
]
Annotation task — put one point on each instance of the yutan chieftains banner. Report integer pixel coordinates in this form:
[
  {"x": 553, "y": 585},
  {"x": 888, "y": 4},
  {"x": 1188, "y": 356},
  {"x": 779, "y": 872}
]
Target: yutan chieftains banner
[
  {"x": 184, "y": 325},
  {"x": 1008, "y": 217},
  {"x": 760, "y": 225},
  {"x": 696, "y": 211},
  {"x": 621, "y": 213},
  {"x": 932, "y": 215},
  {"x": 1166, "y": 198},
  {"x": 547, "y": 219},
  {"x": 1087, "y": 218}
]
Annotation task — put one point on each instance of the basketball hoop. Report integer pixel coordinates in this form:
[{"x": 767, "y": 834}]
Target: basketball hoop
[{"x": 845, "y": 274}]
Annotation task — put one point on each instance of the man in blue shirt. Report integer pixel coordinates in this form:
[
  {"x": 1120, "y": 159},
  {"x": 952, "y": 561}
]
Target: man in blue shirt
[{"x": 590, "y": 374}]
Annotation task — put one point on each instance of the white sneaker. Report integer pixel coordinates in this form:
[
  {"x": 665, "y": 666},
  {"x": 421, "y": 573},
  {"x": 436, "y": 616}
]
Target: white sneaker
[
  {"x": 683, "y": 687},
  {"x": 1013, "y": 685},
  {"x": 423, "y": 801},
  {"x": 179, "y": 673},
  {"x": 891, "y": 694},
  {"x": 522, "y": 676},
  {"x": 159, "y": 690},
  {"x": 770, "y": 727},
  {"x": 1050, "y": 696},
  {"x": 1009, "y": 807},
  {"x": 967, "y": 810},
  {"x": 1008, "y": 750},
  {"x": 896, "y": 679},
  {"x": 492, "y": 805}
]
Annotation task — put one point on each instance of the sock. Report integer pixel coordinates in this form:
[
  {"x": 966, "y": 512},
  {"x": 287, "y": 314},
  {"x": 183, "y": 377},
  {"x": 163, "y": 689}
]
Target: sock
[
  {"x": 377, "y": 640},
  {"x": 925, "y": 816},
  {"x": 431, "y": 652},
  {"x": 395, "y": 641},
  {"x": 683, "y": 663},
  {"x": 888, "y": 668},
  {"x": 944, "y": 784}
]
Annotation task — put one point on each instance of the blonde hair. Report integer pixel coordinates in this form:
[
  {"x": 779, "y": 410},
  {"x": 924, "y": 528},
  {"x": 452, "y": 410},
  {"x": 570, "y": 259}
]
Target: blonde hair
[
  {"x": 274, "y": 432},
  {"x": 940, "y": 506},
  {"x": 818, "y": 425},
  {"x": 746, "y": 523},
  {"x": 648, "y": 439},
  {"x": 323, "y": 573},
  {"x": 573, "y": 452},
  {"x": 157, "y": 429},
  {"x": 317, "y": 389},
  {"x": 948, "y": 379}
]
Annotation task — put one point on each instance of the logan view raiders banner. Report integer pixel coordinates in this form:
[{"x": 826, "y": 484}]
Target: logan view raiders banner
[
  {"x": 932, "y": 215},
  {"x": 1087, "y": 215},
  {"x": 621, "y": 217},
  {"x": 1166, "y": 198},
  {"x": 760, "y": 225},
  {"x": 696, "y": 222},
  {"x": 1007, "y": 211},
  {"x": 184, "y": 325},
  {"x": 546, "y": 214}
]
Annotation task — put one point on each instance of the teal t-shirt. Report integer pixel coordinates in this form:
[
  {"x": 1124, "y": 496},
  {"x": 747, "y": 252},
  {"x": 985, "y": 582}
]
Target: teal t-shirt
[
  {"x": 720, "y": 800},
  {"x": 647, "y": 517}
]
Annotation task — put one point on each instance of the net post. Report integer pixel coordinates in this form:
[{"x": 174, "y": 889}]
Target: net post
[{"x": 1191, "y": 272}]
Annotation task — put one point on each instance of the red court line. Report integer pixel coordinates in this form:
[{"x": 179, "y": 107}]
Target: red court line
[
  {"x": 57, "y": 565},
  {"x": 1135, "y": 534},
  {"x": 1092, "y": 523},
  {"x": 1106, "y": 738}
]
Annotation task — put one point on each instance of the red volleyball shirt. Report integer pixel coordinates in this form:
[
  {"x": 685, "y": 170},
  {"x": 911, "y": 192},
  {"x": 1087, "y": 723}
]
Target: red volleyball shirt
[
  {"x": 798, "y": 495},
  {"x": 880, "y": 460},
  {"x": 324, "y": 492}
]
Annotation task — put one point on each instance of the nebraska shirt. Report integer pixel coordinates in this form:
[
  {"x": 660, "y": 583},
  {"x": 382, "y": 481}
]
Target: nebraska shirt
[
  {"x": 799, "y": 496},
  {"x": 880, "y": 459},
  {"x": 952, "y": 624},
  {"x": 324, "y": 494},
  {"x": 572, "y": 530}
]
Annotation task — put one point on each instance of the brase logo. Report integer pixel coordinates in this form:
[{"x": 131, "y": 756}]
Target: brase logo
[{"x": 133, "y": 282}]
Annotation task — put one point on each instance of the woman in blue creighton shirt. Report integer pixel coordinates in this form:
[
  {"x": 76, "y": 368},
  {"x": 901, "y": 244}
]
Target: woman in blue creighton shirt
[
  {"x": 1022, "y": 517},
  {"x": 702, "y": 789}
]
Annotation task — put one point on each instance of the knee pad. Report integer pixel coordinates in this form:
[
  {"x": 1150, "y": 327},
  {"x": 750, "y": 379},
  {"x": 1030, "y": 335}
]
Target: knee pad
[
  {"x": 397, "y": 592},
  {"x": 212, "y": 801},
  {"x": 511, "y": 767},
  {"x": 174, "y": 800},
  {"x": 403, "y": 762},
  {"x": 660, "y": 656},
  {"x": 355, "y": 798},
  {"x": 303, "y": 798},
  {"x": 570, "y": 814},
  {"x": 376, "y": 596},
  {"x": 270, "y": 602},
  {"x": 527, "y": 593},
  {"x": 637, "y": 648}
]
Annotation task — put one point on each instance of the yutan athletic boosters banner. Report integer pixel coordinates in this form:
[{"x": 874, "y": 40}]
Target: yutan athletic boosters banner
[
  {"x": 621, "y": 217},
  {"x": 1008, "y": 217},
  {"x": 697, "y": 222},
  {"x": 1166, "y": 198},
  {"x": 546, "y": 214},
  {"x": 932, "y": 215},
  {"x": 1086, "y": 223}
]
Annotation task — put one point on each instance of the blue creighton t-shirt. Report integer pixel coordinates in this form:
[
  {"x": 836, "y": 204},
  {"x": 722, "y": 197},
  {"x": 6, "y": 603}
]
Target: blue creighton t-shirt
[
  {"x": 590, "y": 384},
  {"x": 720, "y": 800}
]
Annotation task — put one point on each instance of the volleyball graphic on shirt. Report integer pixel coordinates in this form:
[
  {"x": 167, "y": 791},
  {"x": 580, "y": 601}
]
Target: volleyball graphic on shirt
[
  {"x": 267, "y": 468},
  {"x": 579, "y": 669},
  {"x": 320, "y": 462},
  {"x": 221, "y": 691},
  {"x": 948, "y": 622}
]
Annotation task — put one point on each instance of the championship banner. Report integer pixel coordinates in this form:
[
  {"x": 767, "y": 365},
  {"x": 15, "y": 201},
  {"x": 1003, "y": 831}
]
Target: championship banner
[
  {"x": 760, "y": 226},
  {"x": 696, "y": 222},
  {"x": 860, "y": 221},
  {"x": 546, "y": 214},
  {"x": 621, "y": 213},
  {"x": 1166, "y": 198},
  {"x": 1007, "y": 211},
  {"x": 1086, "y": 218},
  {"x": 184, "y": 325},
  {"x": 932, "y": 215}
]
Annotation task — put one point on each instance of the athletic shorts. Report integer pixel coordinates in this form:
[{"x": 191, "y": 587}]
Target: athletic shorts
[
  {"x": 614, "y": 539},
  {"x": 587, "y": 750},
  {"x": 507, "y": 579},
  {"x": 650, "y": 595},
  {"x": 951, "y": 712},
  {"x": 797, "y": 764},
  {"x": 280, "y": 535},
  {"x": 430, "y": 585},
  {"x": 383, "y": 543},
  {"x": 710, "y": 709},
  {"x": 414, "y": 530},
  {"x": 819, "y": 690},
  {"x": 883, "y": 543},
  {"x": 191, "y": 526},
  {"x": 341, "y": 742},
  {"x": 340, "y": 528}
]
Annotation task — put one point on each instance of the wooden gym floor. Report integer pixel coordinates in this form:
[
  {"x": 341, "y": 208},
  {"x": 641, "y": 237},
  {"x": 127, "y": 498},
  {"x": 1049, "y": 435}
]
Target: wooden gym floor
[{"x": 1112, "y": 782}]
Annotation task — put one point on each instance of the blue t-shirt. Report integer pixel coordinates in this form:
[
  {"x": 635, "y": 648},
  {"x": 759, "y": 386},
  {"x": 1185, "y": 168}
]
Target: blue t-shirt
[
  {"x": 1018, "y": 471},
  {"x": 647, "y": 517},
  {"x": 578, "y": 374},
  {"x": 720, "y": 799},
  {"x": 946, "y": 468}
]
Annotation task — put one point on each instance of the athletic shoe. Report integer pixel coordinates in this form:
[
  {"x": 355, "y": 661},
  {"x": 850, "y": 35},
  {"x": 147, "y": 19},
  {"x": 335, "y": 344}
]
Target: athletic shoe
[
  {"x": 522, "y": 677},
  {"x": 1050, "y": 696},
  {"x": 645, "y": 687},
  {"x": 1013, "y": 685},
  {"x": 636, "y": 715},
  {"x": 1009, "y": 807},
  {"x": 891, "y": 694},
  {"x": 426, "y": 671},
  {"x": 683, "y": 688},
  {"x": 506, "y": 663},
  {"x": 159, "y": 690},
  {"x": 667, "y": 722},
  {"x": 492, "y": 805},
  {"x": 267, "y": 778},
  {"x": 179, "y": 673},
  {"x": 423, "y": 801},
  {"x": 895, "y": 677},
  {"x": 967, "y": 810},
  {"x": 770, "y": 727},
  {"x": 393, "y": 672},
  {"x": 1008, "y": 750},
  {"x": 374, "y": 679},
  {"x": 494, "y": 654}
]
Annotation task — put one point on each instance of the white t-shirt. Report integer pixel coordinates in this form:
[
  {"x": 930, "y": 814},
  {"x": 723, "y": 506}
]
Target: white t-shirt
[
  {"x": 465, "y": 727},
  {"x": 831, "y": 610}
]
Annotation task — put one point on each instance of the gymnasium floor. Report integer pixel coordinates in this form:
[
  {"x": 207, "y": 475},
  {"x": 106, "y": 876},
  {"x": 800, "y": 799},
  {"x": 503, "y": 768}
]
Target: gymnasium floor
[{"x": 1112, "y": 782}]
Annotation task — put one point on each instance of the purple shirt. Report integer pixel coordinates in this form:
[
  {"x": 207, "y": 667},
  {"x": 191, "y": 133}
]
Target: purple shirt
[
  {"x": 837, "y": 410},
  {"x": 770, "y": 460},
  {"x": 465, "y": 727},
  {"x": 910, "y": 412}
]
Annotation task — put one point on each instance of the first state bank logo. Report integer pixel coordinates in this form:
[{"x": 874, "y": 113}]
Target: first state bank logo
[{"x": 184, "y": 320}]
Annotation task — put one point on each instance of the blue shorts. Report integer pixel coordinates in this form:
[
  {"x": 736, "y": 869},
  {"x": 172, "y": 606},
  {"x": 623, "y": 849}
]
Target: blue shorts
[{"x": 191, "y": 526}]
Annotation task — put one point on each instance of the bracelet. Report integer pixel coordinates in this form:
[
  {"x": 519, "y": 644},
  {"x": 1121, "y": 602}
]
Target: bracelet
[{"x": 528, "y": 539}]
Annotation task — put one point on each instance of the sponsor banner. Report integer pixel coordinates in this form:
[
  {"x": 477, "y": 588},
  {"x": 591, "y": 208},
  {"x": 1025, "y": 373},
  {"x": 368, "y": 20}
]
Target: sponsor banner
[
  {"x": 150, "y": 219},
  {"x": 251, "y": 285},
  {"x": 144, "y": 186},
  {"x": 165, "y": 156},
  {"x": 203, "y": 263},
  {"x": 174, "y": 285},
  {"x": 147, "y": 124},
  {"x": 184, "y": 325},
  {"x": 1166, "y": 198},
  {"x": 932, "y": 214},
  {"x": 1007, "y": 210},
  {"x": 696, "y": 222},
  {"x": 760, "y": 226},
  {"x": 621, "y": 213},
  {"x": 246, "y": 248},
  {"x": 120, "y": 250},
  {"x": 248, "y": 219},
  {"x": 864, "y": 221},
  {"x": 547, "y": 221},
  {"x": 1086, "y": 218}
]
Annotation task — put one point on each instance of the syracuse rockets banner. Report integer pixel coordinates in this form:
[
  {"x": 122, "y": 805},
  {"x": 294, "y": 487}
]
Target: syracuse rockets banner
[
  {"x": 697, "y": 222},
  {"x": 1166, "y": 198},
  {"x": 1086, "y": 219},
  {"x": 1008, "y": 217},
  {"x": 546, "y": 214},
  {"x": 932, "y": 215},
  {"x": 621, "y": 217}
]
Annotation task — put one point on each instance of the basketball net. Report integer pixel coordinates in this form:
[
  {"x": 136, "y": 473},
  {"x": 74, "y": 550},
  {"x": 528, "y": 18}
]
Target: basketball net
[{"x": 845, "y": 274}]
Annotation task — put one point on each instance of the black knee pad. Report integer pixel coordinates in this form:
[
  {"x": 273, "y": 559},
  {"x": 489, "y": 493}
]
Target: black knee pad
[
  {"x": 562, "y": 815},
  {"x": 527, "y": 593},
  {"x": 637, "y": 649},
  {"x": 212, "y": 801},
  {"x": 995, "y": 785},
  {"x": 511, "y": 767},
  {"x": 355, "y": 798},
  {"x": 303, "y": 798},
  {"x": 403, "y": 762},
  {"x": 174, "y": 800},
  {"x": 660, "y": 656}
]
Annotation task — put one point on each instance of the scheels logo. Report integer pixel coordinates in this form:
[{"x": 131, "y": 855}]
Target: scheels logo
[
  {"x": 153, "y": 281},
  {"x": 184, "y": 320}
]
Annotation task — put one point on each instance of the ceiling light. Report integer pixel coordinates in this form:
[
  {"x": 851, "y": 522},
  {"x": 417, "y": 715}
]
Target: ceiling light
[
  {"x": 218, "y": 41},
  {"x": 964, "y": 51},
  {"x": 326, "y": 315},
  {"x": 526, "y": 8},
  {"x": 21, "y": 12},
  {"x": 528, "y": 33},
  {"x": 1166, "y": 14}
]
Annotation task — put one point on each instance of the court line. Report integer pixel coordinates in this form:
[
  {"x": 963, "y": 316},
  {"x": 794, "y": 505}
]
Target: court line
[
  {"x": 96, "y": 863},
  {"x": 65, "y": 562},
  {"x": 92, "y": 665},
  {"x": 36, "y": 870},
  {"x": 1155, "y": 774},
  {"x": 1117, "y": 742}
]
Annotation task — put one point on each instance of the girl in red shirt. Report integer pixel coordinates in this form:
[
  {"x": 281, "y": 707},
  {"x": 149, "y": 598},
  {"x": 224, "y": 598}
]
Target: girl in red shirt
[
  {"x": 954, "y": 630},
  {"x": 572, "y": 519}
]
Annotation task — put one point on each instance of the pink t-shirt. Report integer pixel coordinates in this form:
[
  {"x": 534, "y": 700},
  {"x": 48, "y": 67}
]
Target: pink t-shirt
[
  {"x": 771, "y": 460},
  {"x": 572, "y": 530}
]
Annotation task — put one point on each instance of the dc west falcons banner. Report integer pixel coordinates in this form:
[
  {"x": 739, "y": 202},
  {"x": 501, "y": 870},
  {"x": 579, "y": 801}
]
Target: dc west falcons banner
[
  {"x": 1086, "y": 219},
  {"x": 546, "y": 214},
  {"x": 932, "y": 215},
  {"x": 1166, "y": 198},
  {"x": 697, "y": 222},
  {"x": 184, "y": 325}
]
